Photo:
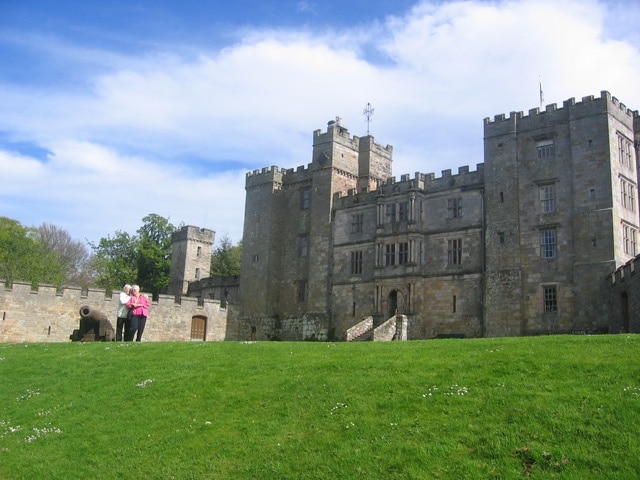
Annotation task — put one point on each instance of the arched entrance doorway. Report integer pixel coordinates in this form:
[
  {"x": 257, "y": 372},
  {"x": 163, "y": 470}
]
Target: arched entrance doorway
[{"x": 392, "y": 302}]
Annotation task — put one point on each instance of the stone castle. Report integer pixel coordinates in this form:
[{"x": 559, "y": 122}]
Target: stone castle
[
  {"x": 530, "y": 242},
  {"x": 540, "y": 238}
]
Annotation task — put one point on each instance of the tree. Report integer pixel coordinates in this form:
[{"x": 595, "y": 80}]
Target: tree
[
  {"x": 226, "y": 258},
  {"x": 24, "y": 257},
  {"x": 115, "y": 260},
  {"x": 144, "y": 259},
  {"x": 154, "y": 253},
  {"x": 72, "y": 254}
]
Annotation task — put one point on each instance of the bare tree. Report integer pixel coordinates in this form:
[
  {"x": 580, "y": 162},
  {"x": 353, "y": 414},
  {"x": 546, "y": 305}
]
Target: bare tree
[{"x": 73, "y": 255}]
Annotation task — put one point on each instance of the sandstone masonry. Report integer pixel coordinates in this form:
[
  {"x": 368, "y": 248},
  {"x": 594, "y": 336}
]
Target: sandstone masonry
[{"x": 523, "y": 245}]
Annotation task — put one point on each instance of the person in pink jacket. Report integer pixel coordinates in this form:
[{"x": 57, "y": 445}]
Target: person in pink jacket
[{"x": 139, "y": 306}]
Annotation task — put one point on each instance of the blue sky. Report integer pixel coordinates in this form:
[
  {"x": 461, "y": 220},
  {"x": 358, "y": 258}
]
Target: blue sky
[{"x": 113, "y": 110}]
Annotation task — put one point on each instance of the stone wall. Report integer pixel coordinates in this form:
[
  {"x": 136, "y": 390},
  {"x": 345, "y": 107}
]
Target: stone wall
[
  {"x": 622, "y": 298},
  {"x": 48, "y": 315},
  {"x": 308, "y": 326}
]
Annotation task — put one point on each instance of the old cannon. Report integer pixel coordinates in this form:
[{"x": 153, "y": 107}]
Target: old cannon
[{"x": 94, "y": 327}]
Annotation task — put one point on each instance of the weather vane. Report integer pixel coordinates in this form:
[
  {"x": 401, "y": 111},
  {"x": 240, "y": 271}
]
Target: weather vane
[{"x": 368, "y": 113}]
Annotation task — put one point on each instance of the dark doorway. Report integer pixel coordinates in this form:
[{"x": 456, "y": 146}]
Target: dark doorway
[
  {"x": 624, "y": 298},
  {"x": 393, "y": 303}
]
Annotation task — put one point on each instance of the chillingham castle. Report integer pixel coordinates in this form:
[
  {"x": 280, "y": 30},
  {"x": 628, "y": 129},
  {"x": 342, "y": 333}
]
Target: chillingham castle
[
  {"x": 540, "y": 238},
  {"x": 535, "y": 240}
]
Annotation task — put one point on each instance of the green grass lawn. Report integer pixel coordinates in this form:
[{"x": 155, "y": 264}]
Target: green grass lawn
[{"x": 538, "y": 407}]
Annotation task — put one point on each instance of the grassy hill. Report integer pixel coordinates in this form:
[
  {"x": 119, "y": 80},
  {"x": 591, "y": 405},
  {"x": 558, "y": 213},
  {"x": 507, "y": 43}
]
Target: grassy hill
[{"x": 539, "y": 407}]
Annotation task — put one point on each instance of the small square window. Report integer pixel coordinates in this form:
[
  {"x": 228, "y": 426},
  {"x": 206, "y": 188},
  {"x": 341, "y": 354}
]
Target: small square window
[{"x": 545, "y": 149}]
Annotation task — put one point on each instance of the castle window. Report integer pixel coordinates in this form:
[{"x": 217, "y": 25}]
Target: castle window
[
  {"x": 550, "y": 299},
  {"x": 454, "y": 208},
  {"x": 501, "y": 238},
  {"x": 391, "y": 213},
  {"x": 454, "y": 251},
  {"x": 303, "y": 243},
  {"x": 547, "y": 198},
  {"x": 548, "y": 243},
  {"x": 198, "y": 273},
  {"x": 625, "y": 151},
  {"x": 545, "y": 149},
  {"x": 356, "y": 262},
  {"x": 302, "y": 291},
  {"x": 627, "y": 194},
  {"x": 390, "y": 254},
  {"x": 403, "y": 213},
  {"x": 199, "y": 254},
  {"x": 629, "y": 235},
  {"x": 255, "y": 258},
  {"x": 403, "y": 253},
  {"x": 357, "y": 222},
  {"x": 305, "y": 198}
]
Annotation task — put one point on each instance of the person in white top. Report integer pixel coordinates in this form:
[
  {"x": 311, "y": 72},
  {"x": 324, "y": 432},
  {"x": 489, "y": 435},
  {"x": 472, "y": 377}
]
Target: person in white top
[{"x": 123, "y": 320}]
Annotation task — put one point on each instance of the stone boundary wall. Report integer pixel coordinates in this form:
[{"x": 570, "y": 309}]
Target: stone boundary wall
[
  {"x": 49, "y": 315},
  {"x": 623, "y": 287},
  {"x": 308, "y": 326}
]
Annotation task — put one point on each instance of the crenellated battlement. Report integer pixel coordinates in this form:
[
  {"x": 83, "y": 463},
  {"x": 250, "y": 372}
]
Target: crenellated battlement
[
  {"x": 300, "y": 174},
  {"x": 191, "y": 232},
  {"x": 626, "y": 271},
  {"x": 588, "y": 105},
  {"x": 425, "y": 182},
  {"x": 338, "y": 133},
  {"x": 48, "y": 314},
  {"x": 267, "y": 175},
  {"x": 21, "y": 289}
]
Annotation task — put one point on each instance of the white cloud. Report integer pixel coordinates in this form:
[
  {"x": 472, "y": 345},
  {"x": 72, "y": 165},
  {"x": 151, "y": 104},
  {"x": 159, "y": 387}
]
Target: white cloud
[{"x": 115, "y": 138}]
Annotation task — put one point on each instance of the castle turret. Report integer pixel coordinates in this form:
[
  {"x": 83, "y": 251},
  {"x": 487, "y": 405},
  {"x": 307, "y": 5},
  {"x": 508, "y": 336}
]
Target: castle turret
[
  {"x": 190, "y": 257},
  {"x": 286, "y": 266}
]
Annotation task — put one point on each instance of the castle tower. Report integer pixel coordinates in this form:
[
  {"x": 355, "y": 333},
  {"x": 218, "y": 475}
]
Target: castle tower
[
  {"x": 190, "y": 257},
  {"x": 286, "y": 260},
  {"x": 561, "y": 213}
]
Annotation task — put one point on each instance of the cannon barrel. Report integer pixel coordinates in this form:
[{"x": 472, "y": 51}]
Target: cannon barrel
[{"x": 92, "y": 314}]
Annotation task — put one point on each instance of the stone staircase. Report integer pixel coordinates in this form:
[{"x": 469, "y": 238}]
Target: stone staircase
[
  {"x": 364, "y": 337},
  {"x": 393, "y": 329}
]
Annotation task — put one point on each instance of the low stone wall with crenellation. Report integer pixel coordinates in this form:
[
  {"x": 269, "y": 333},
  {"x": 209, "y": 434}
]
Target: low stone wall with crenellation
[{"x": 48, "y": 315}]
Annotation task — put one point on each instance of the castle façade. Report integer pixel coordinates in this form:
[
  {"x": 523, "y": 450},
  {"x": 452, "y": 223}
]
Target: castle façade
[{"x": 527, "y": 243}]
